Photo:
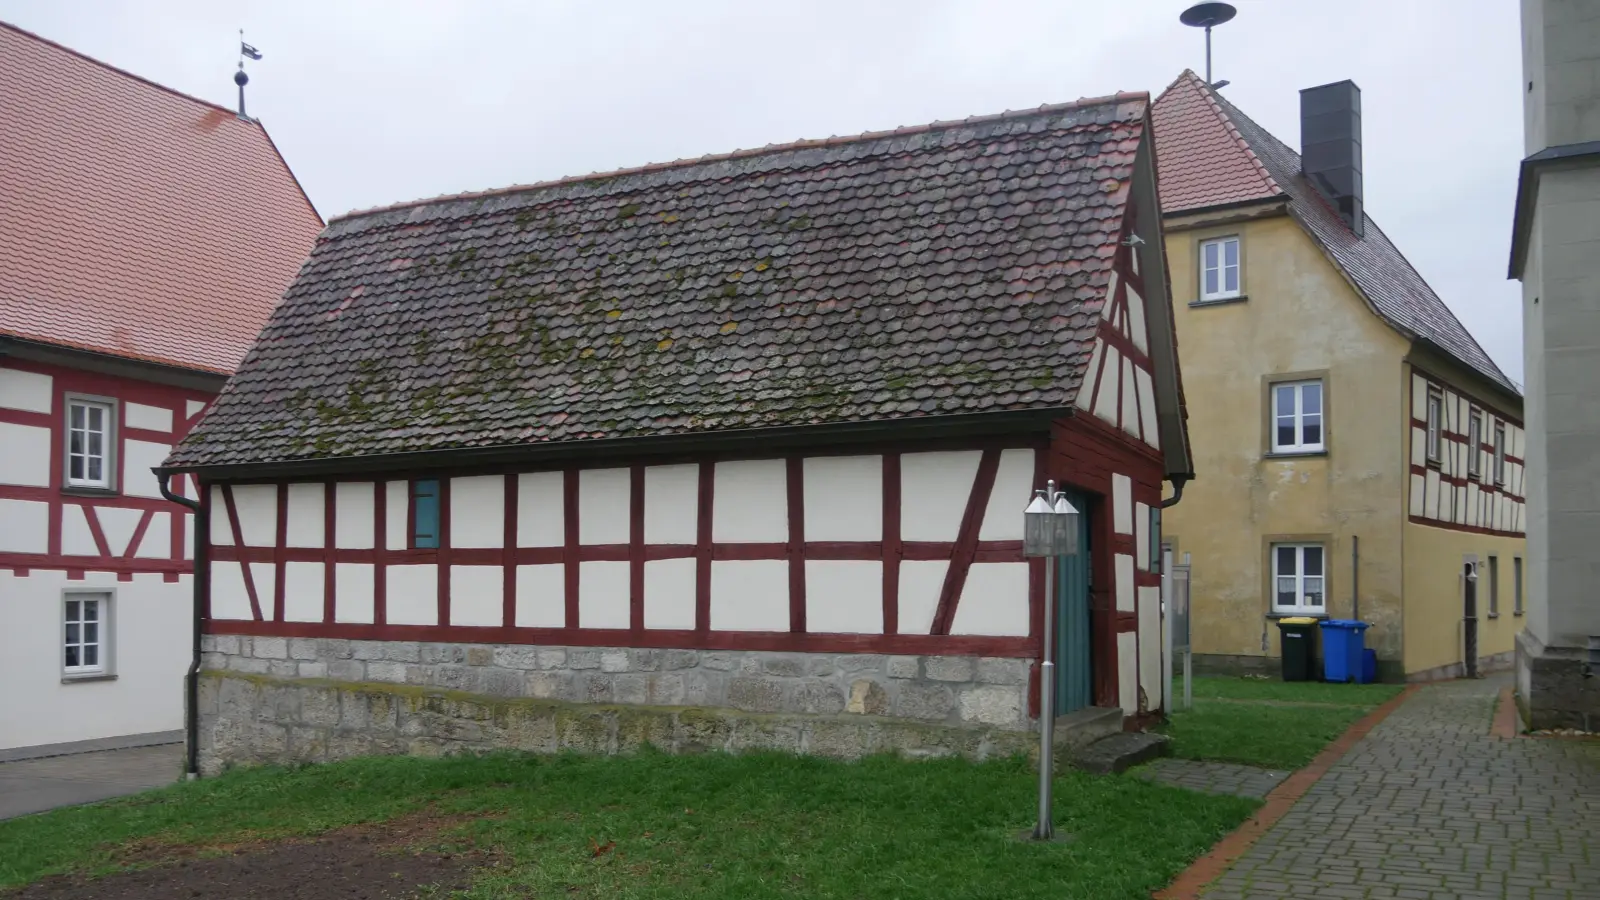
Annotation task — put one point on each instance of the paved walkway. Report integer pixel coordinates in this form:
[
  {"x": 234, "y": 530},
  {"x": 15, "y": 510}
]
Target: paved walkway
[
  {"x": 35, "y": 785},
  {"x": 1212, "y": 777},
  {"x": 1430, "y": 806}
]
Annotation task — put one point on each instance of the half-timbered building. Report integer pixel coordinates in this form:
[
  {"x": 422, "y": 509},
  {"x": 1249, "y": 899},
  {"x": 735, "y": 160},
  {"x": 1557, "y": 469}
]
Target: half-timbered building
[
  {"x": 729, "y": 451},
  {"x": 145, "y": 237}
]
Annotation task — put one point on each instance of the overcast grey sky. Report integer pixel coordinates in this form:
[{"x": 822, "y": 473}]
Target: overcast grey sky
[{"x": 377, "y": 101}]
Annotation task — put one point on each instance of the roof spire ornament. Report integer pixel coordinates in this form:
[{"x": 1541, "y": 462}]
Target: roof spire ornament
[
  {"x": 1205, "y": 15},
  {"x": 239, "y": 77}
]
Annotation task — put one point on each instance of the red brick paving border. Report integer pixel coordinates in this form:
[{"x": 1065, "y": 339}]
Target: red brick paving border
[
  {"x": 1506, "y": 719},
  {"x": 1191, "y": 881}
]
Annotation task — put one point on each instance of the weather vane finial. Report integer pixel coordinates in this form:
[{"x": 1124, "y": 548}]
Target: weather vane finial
[{"x": 239, "y": 77}]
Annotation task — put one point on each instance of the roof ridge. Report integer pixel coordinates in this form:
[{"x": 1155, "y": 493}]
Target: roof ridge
[
  {"x": 126, "y": 74},
  {"x": 1212, "y": 97},
  {"x": 802, "y": 144}
]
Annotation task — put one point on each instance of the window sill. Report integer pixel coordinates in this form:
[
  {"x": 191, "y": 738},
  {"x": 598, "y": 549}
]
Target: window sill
[
  {"x": 1293, "y": 454},
  {"x": 89, "y": 676},
  {"x": 71, "y": 491},
  {"x": 1219, "y": 301},
  {"x": 1518, "y": 614},
  {"x": 1494, "y": 615}
]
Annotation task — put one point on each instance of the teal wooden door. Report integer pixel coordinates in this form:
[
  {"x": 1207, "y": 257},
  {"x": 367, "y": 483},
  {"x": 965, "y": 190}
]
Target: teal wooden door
[{"x": 1074, "y": 688}]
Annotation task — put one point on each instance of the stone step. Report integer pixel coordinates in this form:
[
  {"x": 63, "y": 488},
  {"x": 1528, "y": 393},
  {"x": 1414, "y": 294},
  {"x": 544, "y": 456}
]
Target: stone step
[
  {"x": 1120, "y": 752},
  {"x": 1085, "y": 726}
]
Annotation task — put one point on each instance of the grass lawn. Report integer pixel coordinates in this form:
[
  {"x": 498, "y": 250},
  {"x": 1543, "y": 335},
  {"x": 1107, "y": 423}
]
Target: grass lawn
[
  {"x": 1268, "y": 723},
  {"x": 711, "y": 826}
]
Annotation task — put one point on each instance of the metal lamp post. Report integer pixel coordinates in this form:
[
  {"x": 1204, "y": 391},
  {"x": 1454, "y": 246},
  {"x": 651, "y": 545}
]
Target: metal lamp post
[{"x": 1050, "y": 530}]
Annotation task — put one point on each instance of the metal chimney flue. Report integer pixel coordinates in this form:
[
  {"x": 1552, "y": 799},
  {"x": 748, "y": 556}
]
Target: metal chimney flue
[{"x": 1330, "y": 147}]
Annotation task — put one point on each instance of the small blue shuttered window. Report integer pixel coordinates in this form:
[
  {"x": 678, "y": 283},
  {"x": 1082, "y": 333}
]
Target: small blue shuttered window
[{"x": 425, "y": 514}]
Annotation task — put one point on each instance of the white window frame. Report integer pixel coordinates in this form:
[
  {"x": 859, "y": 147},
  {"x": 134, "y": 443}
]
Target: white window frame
[
  {"x": 1499, "y": 452},
  {"x": 108, "y": 444},
  {"x": 1435, "y": 426},
  {"x": 105, "y": 631},
  {"x": 1300, "y": 607},
  {"x": 1222, "y": 292},
  {"x": 1475, "y": 444},
  {"x": 1298, "y": 415}
]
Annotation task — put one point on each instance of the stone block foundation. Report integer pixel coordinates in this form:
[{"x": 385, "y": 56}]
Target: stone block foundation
[{"x": 267, "y": 700}]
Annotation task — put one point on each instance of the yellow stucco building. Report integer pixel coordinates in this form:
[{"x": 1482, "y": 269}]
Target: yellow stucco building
[{"x": 1353, "y": 443}]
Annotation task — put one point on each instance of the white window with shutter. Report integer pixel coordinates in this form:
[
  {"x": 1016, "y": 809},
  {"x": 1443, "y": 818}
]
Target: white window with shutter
[
  {"x": 1219, "y": 268},
  {"x": 1298, "y": 579},
  {"x": 90, "y": 441},
  {"x": 1298, "y": 417},
  {"x": 86, "y": 634}
]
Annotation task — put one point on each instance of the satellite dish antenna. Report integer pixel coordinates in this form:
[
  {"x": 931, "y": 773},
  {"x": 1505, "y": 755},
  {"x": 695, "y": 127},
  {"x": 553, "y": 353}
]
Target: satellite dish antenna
[{"x": 1205, "y": 15}]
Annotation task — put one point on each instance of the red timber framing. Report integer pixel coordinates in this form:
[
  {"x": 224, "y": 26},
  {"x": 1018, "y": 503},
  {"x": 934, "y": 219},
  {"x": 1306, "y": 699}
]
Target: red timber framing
[
  {"x": 123, "y": 561},
  {"x": 891, "y": 550},
  {"x": 1455, "y": 439}
]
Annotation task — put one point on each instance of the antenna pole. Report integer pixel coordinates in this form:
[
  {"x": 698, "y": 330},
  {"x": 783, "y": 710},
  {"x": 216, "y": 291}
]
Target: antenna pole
[{"x": 1208, "y": 57}]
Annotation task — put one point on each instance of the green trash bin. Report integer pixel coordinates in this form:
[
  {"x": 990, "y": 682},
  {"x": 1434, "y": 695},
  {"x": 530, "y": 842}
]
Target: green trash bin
[{"x": 1299, "y": 635}]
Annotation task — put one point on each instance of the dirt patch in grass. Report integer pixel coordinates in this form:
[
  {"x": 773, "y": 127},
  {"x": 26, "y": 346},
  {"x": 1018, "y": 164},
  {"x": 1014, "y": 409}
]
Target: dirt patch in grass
[{"x": 412, "y": 856}]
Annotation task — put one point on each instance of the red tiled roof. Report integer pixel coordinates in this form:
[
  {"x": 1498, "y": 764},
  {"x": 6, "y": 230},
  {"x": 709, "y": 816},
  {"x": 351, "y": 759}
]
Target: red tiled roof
[
  {"x": 138, "y": 221},
  {"x": 1200, "y": 156}
]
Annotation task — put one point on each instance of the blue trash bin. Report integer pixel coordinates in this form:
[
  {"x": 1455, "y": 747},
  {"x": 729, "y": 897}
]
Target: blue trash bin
[{"x": 1343, "y": 643}]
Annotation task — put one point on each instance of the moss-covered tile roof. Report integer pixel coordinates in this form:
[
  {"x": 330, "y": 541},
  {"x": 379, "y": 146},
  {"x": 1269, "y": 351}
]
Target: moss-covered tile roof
[{"x": 952, "y": 268}]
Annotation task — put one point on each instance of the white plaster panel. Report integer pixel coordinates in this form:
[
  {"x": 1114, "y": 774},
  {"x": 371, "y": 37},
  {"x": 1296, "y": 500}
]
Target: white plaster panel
[
  {"x": 1447, "y": 503},
  {"x": 188, "y": 538},
  {"x": 353, "y": 520},
  {"x": 303, "y": 584},
  {"x": 844, "y": 498},
  {"x": 844, "y": 596},
  {"x": 994, "y": 601},
  {"x": 1458, "y": 503},
  {"x": 191, "y": 407},
  {"x": 354, "y": 589},
  {"x": 542, "y": 596},
  {"x": 1111, "y": 293},
  {"x": 411, "y": 595},
  {"x": 221, "y": 531},
  {"x": 397, "y": 514},
  {"x": 25, "y": 526},
  {"x": 477, "y": 513},
  {"x": 920, "y": 583},
  {"x": 749, "y": 594},
  {"x": 1124, "y": 573},
  {"x": 308, "y": 514},
  {"x": 229, "y": 599},
  {"x": 25, "y": 390},
  {"x": 669, "y": 593},
  {"x": 751, "y": 502},
  {"x": 541, "y": 516},
  {"x": 1141, "y": 536},
  {"x": 1122, "y": 503},
  {"x": 157, "y": 540},
  {"x": 150, "y": 418},
  {"x": 138, "y": 458},
  {"x": 1150, "y": 645},
  {"x": 1105, "y": 403},
  {"x": 76, "y": 538},
  {"x": 1431, "y": 505},
  {"x": 1013, "y": 488},
  {"x": 1085, "y": 396},
  {"x": 1147, "y": 407},
  {"x": 1519, "y": 445},
  {"x": 1418, "y": 495},
  {"x": 934, "y": 488},
  {"x": 1136, "y": 327},
  {"x": 477, "y": 593},
  {"x": 1130, "y": 403},
  {"x": 603, "y": 594},
  {"x": 1419, "y": 397},
  {"x": 1522, "y": 518},
  {"x": 265, "y": 577},
  {"x": 1127, "y": 673},
  {"x": 603, "y": 506},
  {"x": 258, "y": 513},
  {"x": 118, "y": 525},
  {"x": 1419, "y": 447},
  {"x": 1474, "y": 508},
  {"x": 671, "y": 506},
  {"x": 26, "y": 451}
]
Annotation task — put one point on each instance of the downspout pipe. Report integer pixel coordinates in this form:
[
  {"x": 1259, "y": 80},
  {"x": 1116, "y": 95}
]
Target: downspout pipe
[
  {"x": 202, "y": 572},
  {"x": 1178, "y": 481}
]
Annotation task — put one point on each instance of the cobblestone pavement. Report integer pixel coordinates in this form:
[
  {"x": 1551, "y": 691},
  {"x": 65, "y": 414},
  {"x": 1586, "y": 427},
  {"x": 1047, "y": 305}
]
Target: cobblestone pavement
[
  {"x": 1212, "y": 777},
  {"x": 35, "y": 785},
  {"x": 1430, "y": 806}
]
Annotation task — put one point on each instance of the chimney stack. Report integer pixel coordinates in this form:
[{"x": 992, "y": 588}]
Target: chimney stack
[{"x": 1330, "y": 146}]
